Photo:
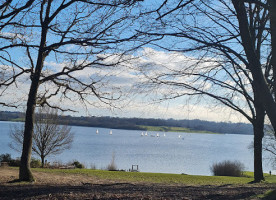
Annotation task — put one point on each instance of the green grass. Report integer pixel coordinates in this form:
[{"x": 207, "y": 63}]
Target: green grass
[
  {"x": 172, "y": 129},
  {"x": 18, "y": 120},
  {"x": 268, "y": 178},
  {"x": 156, "y": 177}
]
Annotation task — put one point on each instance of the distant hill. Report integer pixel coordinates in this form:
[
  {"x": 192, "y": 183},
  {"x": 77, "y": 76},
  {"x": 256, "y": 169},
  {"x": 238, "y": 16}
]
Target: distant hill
[{"x": 136, "y": 123}]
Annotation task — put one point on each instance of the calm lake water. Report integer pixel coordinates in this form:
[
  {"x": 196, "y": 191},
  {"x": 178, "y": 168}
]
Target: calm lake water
[{"x": 173, "y": 153}]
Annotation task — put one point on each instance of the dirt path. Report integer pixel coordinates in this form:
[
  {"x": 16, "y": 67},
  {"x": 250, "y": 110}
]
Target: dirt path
[{"x": 64, "y": 186}]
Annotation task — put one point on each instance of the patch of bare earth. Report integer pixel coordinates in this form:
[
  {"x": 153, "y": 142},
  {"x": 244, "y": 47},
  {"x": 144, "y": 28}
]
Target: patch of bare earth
[{"x": 68, "y": 186}]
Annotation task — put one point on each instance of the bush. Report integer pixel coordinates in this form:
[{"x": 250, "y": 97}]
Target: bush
[
  {"x": 35, "y": 163},
  {"x": 15, "y": 162},
  {"x": 5, "y": 157},
  {"x": 77, "y": 164},
  {"x": 228, "y": 168},
  {"x": 112, "y": 166}
]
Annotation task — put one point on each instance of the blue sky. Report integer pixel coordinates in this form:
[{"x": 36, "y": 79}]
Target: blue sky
[{"x": 137, "y": 100}]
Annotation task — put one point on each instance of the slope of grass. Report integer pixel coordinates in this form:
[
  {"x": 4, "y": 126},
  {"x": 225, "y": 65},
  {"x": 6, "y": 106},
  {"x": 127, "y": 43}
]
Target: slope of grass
[
  {"x": 155, "y": 177},
  {"x": 18, "y": 120},
  {"x": 268, "y": 178},
  {"x": 172, "y": 129}
]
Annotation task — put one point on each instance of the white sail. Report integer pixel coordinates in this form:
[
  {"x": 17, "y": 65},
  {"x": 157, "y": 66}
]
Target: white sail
[{"x": 97, "y": 131}]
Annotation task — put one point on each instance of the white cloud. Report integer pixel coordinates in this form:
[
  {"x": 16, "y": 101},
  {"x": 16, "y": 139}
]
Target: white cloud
[
  {"x": 13, "y": 36},
  {"x": 139, "y": 95}
]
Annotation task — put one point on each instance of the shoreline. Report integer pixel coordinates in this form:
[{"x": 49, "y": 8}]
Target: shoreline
[{"x": 142, "y": 128}]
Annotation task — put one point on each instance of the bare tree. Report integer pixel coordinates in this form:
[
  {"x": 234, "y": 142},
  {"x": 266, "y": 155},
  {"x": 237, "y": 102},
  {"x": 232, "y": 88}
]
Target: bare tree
[
  {"x": 264, "y": 79},
  {"x": 63, "y": 48},
  {"x": 218, "y": 62},
  {"x": 49, "y": 138}
]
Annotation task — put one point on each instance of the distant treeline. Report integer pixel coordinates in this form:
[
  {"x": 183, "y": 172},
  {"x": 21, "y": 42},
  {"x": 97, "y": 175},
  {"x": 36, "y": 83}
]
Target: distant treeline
[{"x": 136, "y": 123}]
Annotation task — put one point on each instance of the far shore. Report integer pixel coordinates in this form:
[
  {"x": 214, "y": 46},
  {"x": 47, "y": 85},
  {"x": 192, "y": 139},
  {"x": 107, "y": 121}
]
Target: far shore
[{"x": 145, "y": 128}]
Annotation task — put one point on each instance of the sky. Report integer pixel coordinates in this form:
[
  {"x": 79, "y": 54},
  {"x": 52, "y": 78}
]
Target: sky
[{"x": 138, "y": 98}]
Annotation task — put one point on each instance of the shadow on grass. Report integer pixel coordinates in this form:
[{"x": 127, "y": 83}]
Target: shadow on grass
[
  {"x": 271, "y": 195},
  {"x": 256, "y": 182},
  {"x": 15, "y": 181}
]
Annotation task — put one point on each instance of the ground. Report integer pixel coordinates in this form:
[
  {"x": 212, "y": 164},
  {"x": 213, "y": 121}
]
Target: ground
[{"x": 79, "y": 186}]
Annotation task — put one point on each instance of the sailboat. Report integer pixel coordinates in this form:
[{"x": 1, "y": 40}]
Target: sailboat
[
  {"x": 142, "y": 134},
  {"x": 164, "y": 134},
  {"x": 157, "y": 134},
  {"x": 97, "y": 131},
  {"x": 110, "y": 132},
  {"x": 146, "y": 134}
]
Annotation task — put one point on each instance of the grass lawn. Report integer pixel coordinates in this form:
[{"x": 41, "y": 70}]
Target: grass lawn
[
  {"x": 159, "y": 177},
  {"x": 87, "y": 183}
]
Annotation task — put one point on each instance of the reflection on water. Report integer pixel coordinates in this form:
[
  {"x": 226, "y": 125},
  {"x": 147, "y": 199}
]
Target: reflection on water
[{"x": 157, "y": 152}]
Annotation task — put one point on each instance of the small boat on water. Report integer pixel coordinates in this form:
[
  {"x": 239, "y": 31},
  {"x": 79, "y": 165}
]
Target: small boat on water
[
  {"x": 146, "y": 133},
  {"x": 179, "y": 136},
  {"x": 157, "y": 135},
  {"x": 164, "y": 134},
  {"x": 97, "y": 131},
  {"x": 142, "y": 134},
  {"x": 110, "y": 132}
]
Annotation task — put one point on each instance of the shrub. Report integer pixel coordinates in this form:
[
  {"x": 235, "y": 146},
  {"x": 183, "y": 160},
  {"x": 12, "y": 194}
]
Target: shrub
[
  {"x": 228, "y": 168},
  {"x": 15, "y": 162},
  {"x": 112, "y": 166},
  {"x": 5, "y": 157},
  {"x": 35, "y": 163},
  {"x": 77, "y": 164}
]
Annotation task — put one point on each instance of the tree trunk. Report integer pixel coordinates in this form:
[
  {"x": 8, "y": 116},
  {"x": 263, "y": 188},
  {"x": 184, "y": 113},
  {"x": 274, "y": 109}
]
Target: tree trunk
[
  {"x": 42, "y": 161},
  {"x": 25, "y": 173},
  {"x": 272, "y": 13},
  {"x": 258, "y": 167},
  {"x": 258, "y": 127}
]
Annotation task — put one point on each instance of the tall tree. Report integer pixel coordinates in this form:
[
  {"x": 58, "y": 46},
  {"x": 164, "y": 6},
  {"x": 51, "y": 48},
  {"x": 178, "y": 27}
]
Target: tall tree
[
  {"x": 265, "y": 86},
  {"x": 217, "y": 63},
  {"x": 49, "y": 137},
  {"x": 64, "y": 47}
]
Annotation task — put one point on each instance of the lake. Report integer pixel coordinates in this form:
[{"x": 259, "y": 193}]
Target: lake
[{"x": 190, "y": 153}]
